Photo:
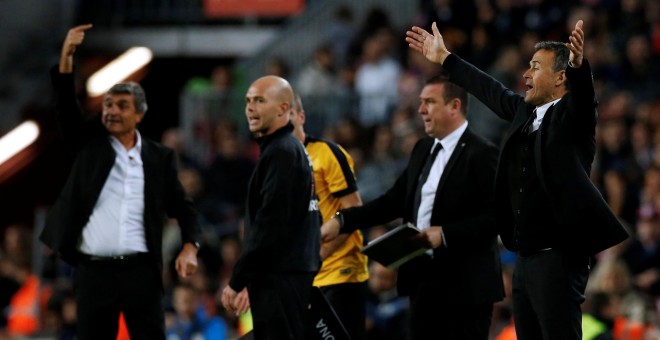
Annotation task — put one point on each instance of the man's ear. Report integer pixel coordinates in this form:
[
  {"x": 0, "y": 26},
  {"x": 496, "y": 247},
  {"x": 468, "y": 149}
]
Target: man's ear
[
  {"x": 456, "y": 105},
  {"x": 284, "y": 109},
  {"x": 561, "y": 79},
  {"x": 302, "y": 116}
]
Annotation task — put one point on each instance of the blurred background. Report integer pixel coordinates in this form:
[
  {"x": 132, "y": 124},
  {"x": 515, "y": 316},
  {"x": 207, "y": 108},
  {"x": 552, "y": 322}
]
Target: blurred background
[{"x": 360, "y": 84}]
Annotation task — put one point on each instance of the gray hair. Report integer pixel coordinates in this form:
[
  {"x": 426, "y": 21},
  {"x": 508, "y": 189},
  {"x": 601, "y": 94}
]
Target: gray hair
[
  {"x": 561, "y": 53},
  {"x": 134, "y": 89}
]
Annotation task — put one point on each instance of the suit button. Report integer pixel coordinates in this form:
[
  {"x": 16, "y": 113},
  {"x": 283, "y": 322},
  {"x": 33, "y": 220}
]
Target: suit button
[
  {"x": 518, "y": 211},
  {"x": 520, "y": 189}
]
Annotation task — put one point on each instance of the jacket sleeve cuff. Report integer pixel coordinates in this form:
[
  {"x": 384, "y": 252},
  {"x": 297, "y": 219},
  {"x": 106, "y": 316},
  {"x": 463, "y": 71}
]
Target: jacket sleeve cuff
[
  {"x": 347, "y": 224},
  {"x": 236, "y": 284},
  {"x": 450, "y": 61}
]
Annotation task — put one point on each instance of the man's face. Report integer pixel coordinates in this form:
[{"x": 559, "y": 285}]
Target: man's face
[
  {"x": 541, "y": 80},
  {"x": 119, "y": 115},
  {"x": 435, "y": 112},
  {"x": 262, "y": 109}
]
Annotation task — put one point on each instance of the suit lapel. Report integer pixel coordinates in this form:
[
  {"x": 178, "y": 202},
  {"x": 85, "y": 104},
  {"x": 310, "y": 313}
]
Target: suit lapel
[
  {"x": 453, "y": 159},
  {"x": 417, "y": 161},
  {"x": 538, "y": 142},
  {"x": 106, "y": 160},
  {"x": 151, "y": 170},
  {"x": 519, "y": 121},
  {"x": 148, "y": 166}
]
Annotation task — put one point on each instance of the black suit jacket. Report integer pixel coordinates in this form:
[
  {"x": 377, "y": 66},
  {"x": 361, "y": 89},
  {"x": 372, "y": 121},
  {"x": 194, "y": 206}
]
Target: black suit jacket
[
  {"x": 564, "y": 151},
  {"x": 467, "y": 269},
  {"x": 94, "y": 158}
]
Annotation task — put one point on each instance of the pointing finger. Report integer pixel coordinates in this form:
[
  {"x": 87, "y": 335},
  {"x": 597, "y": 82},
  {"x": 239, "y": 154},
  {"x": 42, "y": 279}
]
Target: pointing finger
[{"x": 82, "y": 28}]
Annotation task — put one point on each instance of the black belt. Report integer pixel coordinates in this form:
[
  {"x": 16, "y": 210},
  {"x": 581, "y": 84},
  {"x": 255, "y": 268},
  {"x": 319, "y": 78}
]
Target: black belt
[
  {"x": 526, "y": 253},
  {"x": 113, "y": 260}
]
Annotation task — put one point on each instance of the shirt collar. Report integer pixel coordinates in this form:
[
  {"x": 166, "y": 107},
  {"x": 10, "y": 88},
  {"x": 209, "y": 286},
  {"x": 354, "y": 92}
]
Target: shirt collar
[
  {"x": 449, "y": 142},
  {"x": 541, "y": 110},
  {"x": 116, "y": 144},
  {"x": 263, "y": 141}
]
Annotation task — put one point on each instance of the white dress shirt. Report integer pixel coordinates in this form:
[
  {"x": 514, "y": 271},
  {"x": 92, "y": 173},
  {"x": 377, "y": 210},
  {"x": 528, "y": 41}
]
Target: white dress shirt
[
  {"x": 431, "y": 186},
  {"x": 540, "y": 113},
  {"x": 116, "y": 226}
]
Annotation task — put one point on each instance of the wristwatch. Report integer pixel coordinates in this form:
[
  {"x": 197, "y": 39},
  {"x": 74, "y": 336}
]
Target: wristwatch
[{"x": 340, "y": 218}]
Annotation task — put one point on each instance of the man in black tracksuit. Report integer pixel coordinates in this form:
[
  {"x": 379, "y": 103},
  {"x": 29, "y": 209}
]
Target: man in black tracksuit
[{"x": 281, "y": 252}]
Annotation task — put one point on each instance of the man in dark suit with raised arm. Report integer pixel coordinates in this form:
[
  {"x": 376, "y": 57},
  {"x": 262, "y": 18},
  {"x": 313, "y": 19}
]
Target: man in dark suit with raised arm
[
  {"x": 548, "y": 210},
  {"x": 446, "y": 191},
  {"x": 108, "y": 220}
]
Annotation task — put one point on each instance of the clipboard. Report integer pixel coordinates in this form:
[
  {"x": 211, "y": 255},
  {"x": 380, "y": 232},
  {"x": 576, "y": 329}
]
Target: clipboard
[{"x": 395, "y": 247}]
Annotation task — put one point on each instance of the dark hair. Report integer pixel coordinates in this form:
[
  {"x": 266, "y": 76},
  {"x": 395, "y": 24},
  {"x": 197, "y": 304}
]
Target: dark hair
[
  {"x": 451, "y": 90},
  {"x": 297, "y": 103},
  {"x": 561, "y": 53},
  {"x": 134, "y": 89}
]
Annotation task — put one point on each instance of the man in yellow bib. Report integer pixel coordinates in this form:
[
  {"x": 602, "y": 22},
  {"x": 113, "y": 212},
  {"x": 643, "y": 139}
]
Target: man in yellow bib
[{"x": 344, "y": 273}]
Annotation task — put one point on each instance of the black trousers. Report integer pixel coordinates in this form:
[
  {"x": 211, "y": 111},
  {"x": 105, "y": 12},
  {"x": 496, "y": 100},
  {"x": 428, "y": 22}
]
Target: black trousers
[
  {"x": 104, "y": 288},
  {"x": 548, "y": 288},
  {"x": 279, "y": 303},
  {"x": 435, "y": 317},
  {"x": 349, "y": 302}
]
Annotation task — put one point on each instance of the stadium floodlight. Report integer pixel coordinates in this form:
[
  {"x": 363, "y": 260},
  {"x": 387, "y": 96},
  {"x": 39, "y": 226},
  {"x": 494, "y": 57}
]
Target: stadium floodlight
[
  {"x": 117, "y": 70},
  {"x": 18, "y": 139}
]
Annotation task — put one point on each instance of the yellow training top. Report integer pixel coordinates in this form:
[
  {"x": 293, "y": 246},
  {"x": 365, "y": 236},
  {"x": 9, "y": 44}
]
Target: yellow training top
[{"x": 334, "y": 178}]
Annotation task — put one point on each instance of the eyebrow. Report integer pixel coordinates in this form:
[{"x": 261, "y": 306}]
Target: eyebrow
[{"x": 254, "y": 97}]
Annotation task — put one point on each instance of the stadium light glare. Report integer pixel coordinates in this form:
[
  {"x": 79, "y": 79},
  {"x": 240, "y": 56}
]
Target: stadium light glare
[
  {"x": 18, "y": 139},
  {"x": 117, "y": 70}
]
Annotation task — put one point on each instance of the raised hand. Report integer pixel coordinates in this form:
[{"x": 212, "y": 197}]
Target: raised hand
[
  {"x": 74, "y": 38},
  {"x": 576, "y": 45},
  {"x": 432, "y": 46}
]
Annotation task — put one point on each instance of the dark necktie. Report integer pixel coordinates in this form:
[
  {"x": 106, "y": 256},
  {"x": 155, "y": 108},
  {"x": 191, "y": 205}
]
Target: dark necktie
[
  {"x": 423, "y": 176},
  {"x": 528, "y": 128}
]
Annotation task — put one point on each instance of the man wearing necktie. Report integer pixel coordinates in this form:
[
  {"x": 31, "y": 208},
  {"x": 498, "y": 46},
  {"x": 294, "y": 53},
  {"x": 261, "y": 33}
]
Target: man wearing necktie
[
  {"x": 446, "y": 191},
  {"x": 548, "y": 211}
]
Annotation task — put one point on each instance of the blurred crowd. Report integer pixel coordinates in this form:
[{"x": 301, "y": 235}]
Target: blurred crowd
[{"x": 360, "y": 89}]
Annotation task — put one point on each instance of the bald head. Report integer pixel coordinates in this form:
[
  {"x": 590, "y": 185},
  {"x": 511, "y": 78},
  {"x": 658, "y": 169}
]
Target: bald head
[
  {"x": 267, "y": 104},
  {"x": 280, "y": 87}
]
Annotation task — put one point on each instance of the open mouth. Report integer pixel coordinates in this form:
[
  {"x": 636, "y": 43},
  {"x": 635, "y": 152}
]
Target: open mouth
[{"x": 530, "y": 88}]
